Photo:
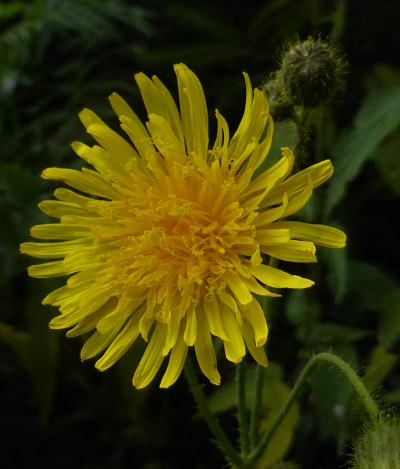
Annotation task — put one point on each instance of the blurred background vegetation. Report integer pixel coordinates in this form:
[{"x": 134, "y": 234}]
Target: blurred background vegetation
[{"x": 58, "y": 56}]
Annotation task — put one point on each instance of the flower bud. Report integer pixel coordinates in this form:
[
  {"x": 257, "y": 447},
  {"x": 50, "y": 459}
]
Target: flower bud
[
  {"x": 280, "y": 105},
  {"x": 311, "y": 72},
  {"x": 378, "y": 448}
]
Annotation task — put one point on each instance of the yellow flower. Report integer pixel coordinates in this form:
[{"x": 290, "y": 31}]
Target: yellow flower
[{"x": 171, "y": 246}]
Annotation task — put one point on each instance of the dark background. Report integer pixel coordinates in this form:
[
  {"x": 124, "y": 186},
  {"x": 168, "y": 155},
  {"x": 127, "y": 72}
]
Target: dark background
[{"x": 59, "y": 56}]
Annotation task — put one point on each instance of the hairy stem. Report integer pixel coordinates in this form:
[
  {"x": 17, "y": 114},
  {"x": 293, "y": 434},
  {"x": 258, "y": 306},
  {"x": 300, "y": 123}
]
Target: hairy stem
[
  {"x": 349, "y": 373},
  {"x": 241, "y": 409},
  {"x": 222, "y": 439}
]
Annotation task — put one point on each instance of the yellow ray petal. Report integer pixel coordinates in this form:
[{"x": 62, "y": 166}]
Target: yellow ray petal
[
  {"x": 121, "y": 344},
  {"x": 205, "y": 352},
  {"x": 158, "y": 100},
  {"x": 254, "y": 314},
  {"x": 88, "y": 117},
  {"x": 89, "y": 322},
  {"x": 49, "y": 269},
  {"x": 97, "y": 343},
  {"x": 57, "y": 209},
  {"x": 191, "y": 329},
  {"x": 278, "y": 278},
  {"x": 125, "y": 308},
  {"x": 258, "y": 353},
  {"x": 59, "y": 231},
  {"x": 274, "y": 175},
  {"x": 292, "y": 251},
  {"x": 234, "y": 347},
  {"x": 321, "y": 235},
  {"x": 151, "y": 359},
  {"x": 238, "y": 287},
  {"x": 194, "y": 113},
  {"x": 272, "y": 236},
  {"x": 212, "y": 309},
  {"x": 175, "y": 364},
  {"x": 256, "y": 288},
  {"x": 269, "y": 216},
  {"x": 54, "y": 250},
  {"x": 253, "y": 122},
  {"x": 86, "y": 181},
  {"x": 222, "y": 139},
  {"x": 173, "y": 328},
  {"x": 317, "y": 174},
  {"x": 113, "y": 143},
  {"x": 165, "y": 139}
]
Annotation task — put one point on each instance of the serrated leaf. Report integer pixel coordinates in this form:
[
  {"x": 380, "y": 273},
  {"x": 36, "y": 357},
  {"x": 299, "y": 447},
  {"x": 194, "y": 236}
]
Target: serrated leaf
[{"x": 378, "y": 117}]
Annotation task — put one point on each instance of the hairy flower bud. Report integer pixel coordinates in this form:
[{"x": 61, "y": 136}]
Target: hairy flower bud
[
  {"x": 378, "y": 448},
  {"x": 280, "y": 105},
  {"x": 311, "y": 72}
]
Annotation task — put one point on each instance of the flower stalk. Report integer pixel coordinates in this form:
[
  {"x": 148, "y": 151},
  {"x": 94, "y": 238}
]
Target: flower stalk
[
  {"x": 348, "y": 372},
  {"x": 242, "y": 411},
  {"x": 255, "y": 412},
  {"x": 222, "y": 439}
]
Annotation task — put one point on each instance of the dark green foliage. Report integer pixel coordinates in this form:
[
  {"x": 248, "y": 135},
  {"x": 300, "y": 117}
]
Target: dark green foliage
[{"x": 58, "y": 56}]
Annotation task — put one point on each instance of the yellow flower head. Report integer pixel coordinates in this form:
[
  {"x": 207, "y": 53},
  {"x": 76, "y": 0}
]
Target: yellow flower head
[{"x": 170, "y": 247}]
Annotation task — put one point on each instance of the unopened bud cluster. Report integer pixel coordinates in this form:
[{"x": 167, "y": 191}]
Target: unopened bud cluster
[
  {"x": 310, "y": 75},
  {"x": 378, "y": 448}
]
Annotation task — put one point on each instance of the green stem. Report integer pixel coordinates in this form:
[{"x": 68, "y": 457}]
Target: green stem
[
  {"x": 350, "y": 374},
  {"x": 241, "y": 408},
  {"x": 219, "y": 434},
  {"x": 258, "y": 384},
  {"x": 255, "y": 411}
]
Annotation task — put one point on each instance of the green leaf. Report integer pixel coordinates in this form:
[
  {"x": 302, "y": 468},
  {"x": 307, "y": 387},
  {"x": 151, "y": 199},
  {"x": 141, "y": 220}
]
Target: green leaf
[
  {"x": 387, "y": 161},
  {"x": 330, "y": 333},
  {"x": 43, "y": 348},
  {"x": 378, "y": 117},
  {"x": 274, "y": 396},
  {"x": 195, "y": 19},
  {"x": 224, "y": 397},
  {"x": 284, "y": 136},
  {"x": 296, "y": 307},
  {"x": 381, "y": 363},
  {"x": 11, "y": 9},
  {"x": 389, "y": 320},
  {"x": 337, "y": 276},
  {"x": 377, "y": 291},
  {"x": 17, "y": 341}
]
